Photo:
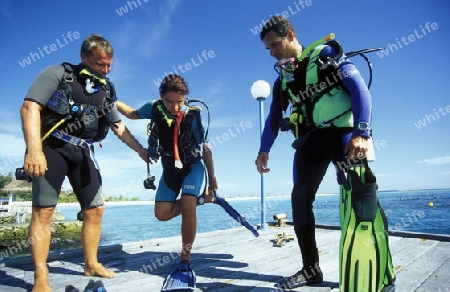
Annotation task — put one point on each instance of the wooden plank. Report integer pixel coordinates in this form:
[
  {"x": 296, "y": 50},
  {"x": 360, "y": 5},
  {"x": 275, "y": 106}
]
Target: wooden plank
[
  {"x": 231, "y": 260},
  {"x": 423, "y": 264},
  {"x": 410, "y": 249},
  {"x": 260, "y": 275},
  {"x": 439, "y": 280}
]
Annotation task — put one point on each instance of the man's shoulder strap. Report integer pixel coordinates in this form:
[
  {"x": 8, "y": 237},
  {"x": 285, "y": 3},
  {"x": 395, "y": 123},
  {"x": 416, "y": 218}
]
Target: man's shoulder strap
[
  {"x": 67, "y": 77},
  {"x": 156, "y": 102},
  {"x": 69, "y": 71},
  {"x": 110, "y": 91},
  {"x": 156, "y": 107},
  {"x": 194, "y": 108},
  {"x": 190, "y": 112},
  {"x": 316, "y": 64},
  {"x": 195, "y": 113}
]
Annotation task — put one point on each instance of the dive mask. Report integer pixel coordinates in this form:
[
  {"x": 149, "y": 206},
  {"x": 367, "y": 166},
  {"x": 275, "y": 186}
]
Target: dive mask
[{"x": 286, "y": 65}]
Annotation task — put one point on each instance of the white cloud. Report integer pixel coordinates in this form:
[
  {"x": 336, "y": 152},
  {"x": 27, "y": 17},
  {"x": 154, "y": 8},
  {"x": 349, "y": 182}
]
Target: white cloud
[
  {"x": 286, "y": 182},
  {"x": 228, "y": 184},
  {"x": 121, "y": 164},
  {"x": 138, "y": 128},
  {"x": 212, "y": 92},
  {"x": 436, "y": 160},
  {"x": 122, "y": 171},
  {"x": 11, "y": 152},
  {"x": 146, "y": 36}
]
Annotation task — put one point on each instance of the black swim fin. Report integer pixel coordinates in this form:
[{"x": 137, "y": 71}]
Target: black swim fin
[
  {"x": 71, "y": 288},
  {"x": 181, "y": 279}
]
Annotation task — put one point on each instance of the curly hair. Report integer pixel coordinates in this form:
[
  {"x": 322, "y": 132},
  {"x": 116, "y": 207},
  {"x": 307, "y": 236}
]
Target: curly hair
[
  {"x": 173, "y": 83},
  {"x": 279, "y": 25},
  {"x": 96, "y": 42}
]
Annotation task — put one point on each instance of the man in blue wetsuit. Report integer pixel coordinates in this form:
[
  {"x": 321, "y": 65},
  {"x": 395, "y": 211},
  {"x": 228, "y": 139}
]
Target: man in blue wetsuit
[
  {"x": 331, "y": 106},
  {"x": 183, "y": 161}
]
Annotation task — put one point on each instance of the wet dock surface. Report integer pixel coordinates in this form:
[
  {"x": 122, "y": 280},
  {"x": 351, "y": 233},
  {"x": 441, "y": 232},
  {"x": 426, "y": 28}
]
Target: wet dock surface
[{"x": 234, "y": 260}]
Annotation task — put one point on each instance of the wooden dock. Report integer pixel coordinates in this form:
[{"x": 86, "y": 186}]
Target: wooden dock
[{"x": 234, "y": 260}]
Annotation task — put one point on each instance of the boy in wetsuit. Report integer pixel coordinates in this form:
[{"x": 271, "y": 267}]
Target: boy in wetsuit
[{"x": 183, "y": 161}]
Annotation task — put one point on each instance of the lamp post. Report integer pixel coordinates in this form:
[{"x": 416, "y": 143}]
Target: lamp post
[{"x": 260, "y": 91}]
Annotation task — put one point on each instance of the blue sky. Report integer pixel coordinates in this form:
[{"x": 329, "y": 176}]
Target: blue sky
[{"x": 215, "y": 45}]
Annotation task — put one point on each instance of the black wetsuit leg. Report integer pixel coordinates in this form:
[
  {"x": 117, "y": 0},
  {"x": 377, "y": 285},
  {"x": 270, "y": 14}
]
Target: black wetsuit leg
[
  {"x": 75, "y": 162},
  {"x": 310, "y": 165}
]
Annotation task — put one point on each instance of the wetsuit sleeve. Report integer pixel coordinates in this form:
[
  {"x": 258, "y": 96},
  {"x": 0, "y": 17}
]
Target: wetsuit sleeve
[
  {"x": 360, "y": 97},
  {"x": 145, "y": 111},
  {"x": 272, "y": 122},
  {"x": 45, "y": 85},
  {"x": 114, "y": 115},
  {"x": 361, "y": 101}
]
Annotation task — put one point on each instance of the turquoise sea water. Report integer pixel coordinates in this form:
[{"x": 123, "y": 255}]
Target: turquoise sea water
[{"x": 406, "y": 211}]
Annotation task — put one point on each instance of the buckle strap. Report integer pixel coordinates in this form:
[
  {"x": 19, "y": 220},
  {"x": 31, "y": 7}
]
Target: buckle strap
[{"x": 79, "y": 142}]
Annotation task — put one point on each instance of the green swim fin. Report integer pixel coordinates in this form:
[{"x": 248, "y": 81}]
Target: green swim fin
[
  {"x": 365, "y": 259},
  {"x": 181, "y": 279}
]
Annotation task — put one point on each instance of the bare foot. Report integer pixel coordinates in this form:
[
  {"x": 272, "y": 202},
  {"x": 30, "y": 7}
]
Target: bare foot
[
  {"x": 99, "y": 271},
  {"x": 41, "y": 285}
]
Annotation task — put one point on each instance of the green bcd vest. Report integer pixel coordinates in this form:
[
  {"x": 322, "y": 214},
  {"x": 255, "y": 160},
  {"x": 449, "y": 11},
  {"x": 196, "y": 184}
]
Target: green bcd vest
[
  {"x": 330, "y": 99},
  {"x": 324, "y": 102}
]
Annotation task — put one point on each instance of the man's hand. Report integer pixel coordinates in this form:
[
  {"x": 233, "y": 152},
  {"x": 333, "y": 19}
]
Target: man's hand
[
  {"x": 35, "y": 164},
  {"x": 261, "y": 162},
  {"x": 357, "y": 148}
]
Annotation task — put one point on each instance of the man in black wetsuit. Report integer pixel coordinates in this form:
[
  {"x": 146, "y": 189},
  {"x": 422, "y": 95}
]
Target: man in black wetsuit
[
  {"x": 79, "y": 101},
  {"x": 336, "y": 117}
]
